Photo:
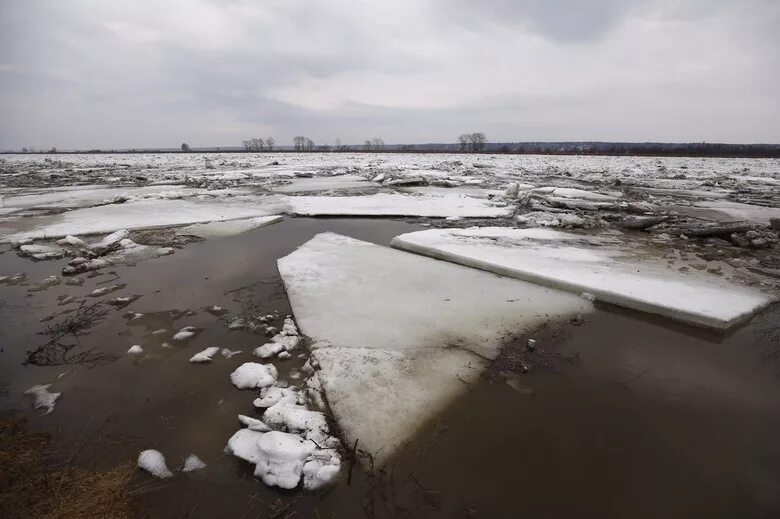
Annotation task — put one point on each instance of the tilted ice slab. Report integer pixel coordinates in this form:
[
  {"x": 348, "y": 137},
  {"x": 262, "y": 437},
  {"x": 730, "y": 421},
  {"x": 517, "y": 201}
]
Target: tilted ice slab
[
  {"x": 383, "y": 204},
  {"x": 394, "y": 332},
  {"x": 739, "y": 211},
  {"x": 143, "y": 215},
  {"x": 229, "y": 227},
  {"x": 615, "y": 273}
]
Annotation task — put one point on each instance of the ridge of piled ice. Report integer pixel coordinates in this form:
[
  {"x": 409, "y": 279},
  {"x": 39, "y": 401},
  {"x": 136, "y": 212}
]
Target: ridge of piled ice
[{"x": 629, "y": 276}]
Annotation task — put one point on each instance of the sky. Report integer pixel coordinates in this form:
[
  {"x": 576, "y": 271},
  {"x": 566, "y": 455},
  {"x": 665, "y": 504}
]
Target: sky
[{"x": 96, "y": 74}]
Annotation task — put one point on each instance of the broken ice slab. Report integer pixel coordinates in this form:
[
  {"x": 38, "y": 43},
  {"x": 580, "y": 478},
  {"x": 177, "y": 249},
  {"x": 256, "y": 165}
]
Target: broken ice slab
[
  {"x": 383, "y": 204},
  {"x": 399, "y": 336},
  {"x": 623, "y": 274},
  {"x": 144, "y": 214}
]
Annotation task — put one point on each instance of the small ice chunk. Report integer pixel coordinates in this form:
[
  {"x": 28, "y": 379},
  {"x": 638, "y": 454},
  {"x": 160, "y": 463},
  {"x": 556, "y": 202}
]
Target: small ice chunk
[
  {"x": 135, "y": 349},
  {"x": 243, "y": 444},
  {"x": 188, "y": 332},
  {"x": 272, "y": 395},
  {"x": 269, "y": 349},
  {"x": 205, "y": 355},
  {"x": 284, "y": 355},
  {"x": 227, "y": 353},
  {"x": 193, "y": 463},
  {"x": 289, "y": 327},
  {"x": 253, "y": 424},
  {"x": 294, "y": 418},
  {"x": 43, "y": 398},
  {"x": 72, "y": 241},
  {"x": 251, "y": 375},
  {"x": 236, "y": 323},
  {"x": 531, "y": 344},
  {"x": 153, "y": 462},
  {"x": 111, "y": 239},
  {"x": 320, "y": 473}
]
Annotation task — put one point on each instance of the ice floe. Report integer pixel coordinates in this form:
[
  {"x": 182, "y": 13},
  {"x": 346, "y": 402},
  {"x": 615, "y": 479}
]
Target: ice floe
[
  {"x": 383, "y": 204},
  {"x": 422, "y": 338},
  {"x": 153, "y": 462},
  {"x": 135, "y": 349},
  {"x": 42, "y": 397},
  {"x": 142, "y": 215},
  {"x": 625, "y": 275}
]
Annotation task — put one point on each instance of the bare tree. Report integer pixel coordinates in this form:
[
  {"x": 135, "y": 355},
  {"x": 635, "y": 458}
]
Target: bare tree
[
  {"x": 299, "y": 143},
  {"x": 367, "y": 145},
  {"x": 269, "y": 143},
  {"x": 309, "y": 144},
  {"x": 478, "y": 142},
  {"x": 378, "y": 144},
  {"x": 463, "y": 141},
  {"x": 338, "y": 144},
  {"x": 185, "y": 147}
]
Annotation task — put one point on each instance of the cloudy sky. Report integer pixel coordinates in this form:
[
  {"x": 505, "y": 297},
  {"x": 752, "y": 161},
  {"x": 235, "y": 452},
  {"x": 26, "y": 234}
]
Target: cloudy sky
[{"x": 84, "y": 74}]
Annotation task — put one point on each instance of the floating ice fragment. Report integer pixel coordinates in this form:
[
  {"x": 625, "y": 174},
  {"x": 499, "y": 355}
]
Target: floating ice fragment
[
  {"x": 188, "y": 332},
  {"x": 269, "y": 349},
  {"x": 205, "y": 355},
  {"x": 43, "y": 399},
  {"x": 273, "y": 395},
  {"x": 135, "y": 350},
  {"x": 227, "y": 353},
  {"x": 153, "y": 462},
  {"x": 193, "y": 463}
]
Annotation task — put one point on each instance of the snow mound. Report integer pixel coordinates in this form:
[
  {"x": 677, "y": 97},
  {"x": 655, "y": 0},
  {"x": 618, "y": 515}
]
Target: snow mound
[
  {"x": 625, "y": 275},
  {"x": 251, "y": 375},
  {"x": 153, "y": 462}
]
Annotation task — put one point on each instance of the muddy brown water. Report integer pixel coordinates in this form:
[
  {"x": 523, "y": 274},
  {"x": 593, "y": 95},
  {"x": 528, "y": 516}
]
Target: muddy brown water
[{"x": 654, "y": 420}]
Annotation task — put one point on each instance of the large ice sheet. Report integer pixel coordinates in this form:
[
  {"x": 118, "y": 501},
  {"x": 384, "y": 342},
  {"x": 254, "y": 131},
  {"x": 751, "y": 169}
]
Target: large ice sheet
[
  {"x": 628, "y": 276},
  {"x": 394, "y": 332},
  {"x": 141, "y": 215},
  {"x": 383, "y": 204}
]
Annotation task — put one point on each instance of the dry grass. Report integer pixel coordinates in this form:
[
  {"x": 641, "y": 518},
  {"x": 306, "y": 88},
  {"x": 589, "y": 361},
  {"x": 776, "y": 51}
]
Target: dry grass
[{"x": 31, "y": 488}]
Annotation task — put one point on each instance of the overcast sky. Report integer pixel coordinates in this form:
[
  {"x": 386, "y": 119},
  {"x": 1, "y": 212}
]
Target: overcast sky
[{"x": 84, "y": 74}]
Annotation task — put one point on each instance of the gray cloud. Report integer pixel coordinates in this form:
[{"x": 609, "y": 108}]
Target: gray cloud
[{"x": 99, "y": 74}]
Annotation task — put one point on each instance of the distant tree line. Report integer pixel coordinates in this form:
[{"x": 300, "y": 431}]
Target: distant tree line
[{"x": 259, "y": 144}]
